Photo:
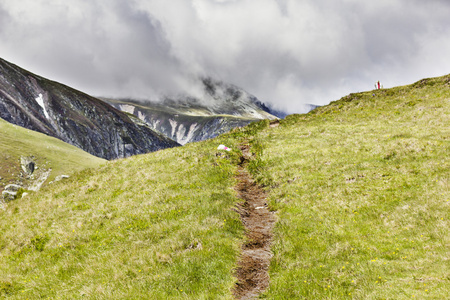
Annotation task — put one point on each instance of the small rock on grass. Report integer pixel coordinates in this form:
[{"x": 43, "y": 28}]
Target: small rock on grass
[{"x": 9, "y": 196}]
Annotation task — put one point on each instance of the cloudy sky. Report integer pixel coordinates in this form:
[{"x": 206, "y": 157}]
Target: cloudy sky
[{"x": 285, "y": 52}]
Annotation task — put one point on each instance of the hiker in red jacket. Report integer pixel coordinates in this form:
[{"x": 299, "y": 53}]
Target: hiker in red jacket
[{"x": 378, "y": 84}]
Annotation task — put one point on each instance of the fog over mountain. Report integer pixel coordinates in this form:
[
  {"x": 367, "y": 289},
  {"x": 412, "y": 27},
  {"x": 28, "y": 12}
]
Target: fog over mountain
[{"x": 288, "y": 53}]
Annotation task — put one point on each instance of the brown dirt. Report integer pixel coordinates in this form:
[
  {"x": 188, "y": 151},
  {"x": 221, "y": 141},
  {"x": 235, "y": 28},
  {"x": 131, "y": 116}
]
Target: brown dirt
[
  {"x": 252, "y": 272},
  {"x": 274, "y": 123}
]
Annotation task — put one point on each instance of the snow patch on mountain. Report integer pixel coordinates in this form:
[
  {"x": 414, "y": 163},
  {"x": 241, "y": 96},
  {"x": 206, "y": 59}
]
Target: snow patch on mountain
[
  {"x": 192, "y": 129},
  {"x": 40, "y": 101},
  {"x": 182, "y": 137},
  {"x": 180, "y": 132},
  {"x": 155, "y": 123},
  {"x": 128, "y": 108},
  {"x": 173, "y": 125},
  {"x": 141, "y": 116}
]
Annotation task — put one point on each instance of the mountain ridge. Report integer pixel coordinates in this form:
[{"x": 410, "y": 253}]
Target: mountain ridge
[
  {"x": 185, "y": 119},
  {"x": 36, "y": 103}
]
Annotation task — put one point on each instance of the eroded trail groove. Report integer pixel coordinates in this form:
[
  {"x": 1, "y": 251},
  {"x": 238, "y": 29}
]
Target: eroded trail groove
[{"x": 253, "y": 268}]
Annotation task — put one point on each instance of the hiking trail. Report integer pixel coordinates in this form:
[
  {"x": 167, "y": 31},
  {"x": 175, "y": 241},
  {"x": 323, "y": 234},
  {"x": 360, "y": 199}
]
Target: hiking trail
[{"x": 253, "y": 268}]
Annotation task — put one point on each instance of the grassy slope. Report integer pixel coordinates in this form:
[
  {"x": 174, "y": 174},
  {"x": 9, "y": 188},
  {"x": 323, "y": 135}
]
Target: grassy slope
[
  {"x": 361, "y": 188},
  {"x": 362, "y": 193},
  {"x": 152, "y": 226},
  {"x": 49, "y": 152}
]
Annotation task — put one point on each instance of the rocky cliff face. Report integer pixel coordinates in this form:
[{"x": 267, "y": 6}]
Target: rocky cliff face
[
  {"x": 188, "y": 119},
  {"x": 57, "y": 110}
]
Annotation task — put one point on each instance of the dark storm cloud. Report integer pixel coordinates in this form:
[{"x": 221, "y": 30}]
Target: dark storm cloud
[
  {"x": 101, "y": 47},
  {"x": 286, "y": 52}
]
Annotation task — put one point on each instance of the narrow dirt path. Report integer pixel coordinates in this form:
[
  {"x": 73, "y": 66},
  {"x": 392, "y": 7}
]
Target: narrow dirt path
[{"x": 252, "y": 272}]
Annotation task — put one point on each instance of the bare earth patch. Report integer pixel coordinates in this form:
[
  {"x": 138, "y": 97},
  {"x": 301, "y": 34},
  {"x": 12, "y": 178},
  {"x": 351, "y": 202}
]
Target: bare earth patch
[{"x": 252, "y": 272}]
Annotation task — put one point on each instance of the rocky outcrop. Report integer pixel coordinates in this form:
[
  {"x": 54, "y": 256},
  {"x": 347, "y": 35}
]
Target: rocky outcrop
[
  {"x": 36, "y": 183},
  {"x": 27, "y": 164},
  {"x": 9, "y": 196},
  {"x": 57, "y": 110},
  {"x": 61, "y": 177},
  {"x": 10, "y": 192},
  {"x": 12, "y": 187}
]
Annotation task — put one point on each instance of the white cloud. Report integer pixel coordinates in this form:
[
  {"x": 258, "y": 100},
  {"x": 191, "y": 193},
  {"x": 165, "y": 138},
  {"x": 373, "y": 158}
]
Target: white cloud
[{"x": 286, "y": 52}]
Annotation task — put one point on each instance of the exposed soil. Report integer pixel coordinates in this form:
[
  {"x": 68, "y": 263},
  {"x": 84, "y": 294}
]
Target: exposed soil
[
  {"x": 274, "y": 123},
  {"x": 252, "y": 272}
]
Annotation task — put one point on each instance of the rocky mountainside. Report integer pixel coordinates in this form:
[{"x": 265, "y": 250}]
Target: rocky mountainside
[
  {"x": 57, "y": 110},
  {"x": 188, "y": 119}
]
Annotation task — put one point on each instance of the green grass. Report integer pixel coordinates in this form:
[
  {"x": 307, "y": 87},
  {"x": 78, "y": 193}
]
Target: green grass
[
  {"x": 361, "y": 190},
  {"x": 361, "y": 187},
  {"x": 153, "y": 226},
  {"x": 49, "y": 152}
]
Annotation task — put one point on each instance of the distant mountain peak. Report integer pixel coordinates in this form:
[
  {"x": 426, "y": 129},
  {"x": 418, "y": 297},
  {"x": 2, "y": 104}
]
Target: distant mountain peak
[{"x": 189, "y": 118}]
